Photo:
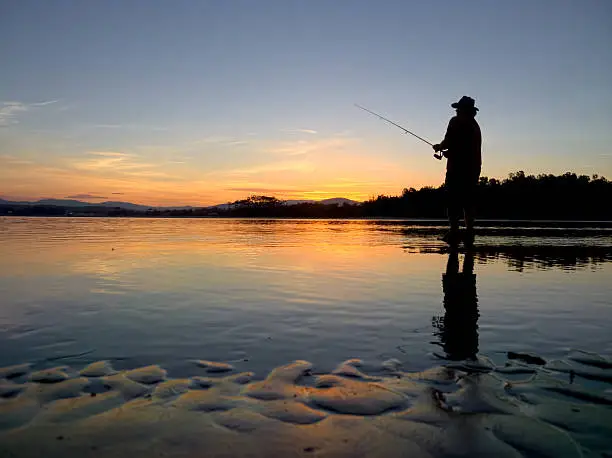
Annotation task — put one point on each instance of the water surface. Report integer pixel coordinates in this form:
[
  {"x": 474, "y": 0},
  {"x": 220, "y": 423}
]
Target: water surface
[{"x": 260, "y": 293}]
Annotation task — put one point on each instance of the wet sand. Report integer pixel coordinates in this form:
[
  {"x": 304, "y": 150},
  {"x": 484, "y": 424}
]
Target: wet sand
[{"x": 469, "y": 409}]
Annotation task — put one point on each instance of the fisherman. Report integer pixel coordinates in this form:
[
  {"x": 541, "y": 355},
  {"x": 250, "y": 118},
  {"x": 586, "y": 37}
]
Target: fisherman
[{"x": 461, "y": 146}]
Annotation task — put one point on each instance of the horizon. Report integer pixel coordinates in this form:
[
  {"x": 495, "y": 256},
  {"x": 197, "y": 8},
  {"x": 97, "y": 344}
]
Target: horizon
[
  {"x": 198, "y": 104},
  {"x": 101, "y": 201}
]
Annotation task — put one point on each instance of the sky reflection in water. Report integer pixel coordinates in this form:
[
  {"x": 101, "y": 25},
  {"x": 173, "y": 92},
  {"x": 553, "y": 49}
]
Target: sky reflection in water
[{"x": 264, "y": 292}]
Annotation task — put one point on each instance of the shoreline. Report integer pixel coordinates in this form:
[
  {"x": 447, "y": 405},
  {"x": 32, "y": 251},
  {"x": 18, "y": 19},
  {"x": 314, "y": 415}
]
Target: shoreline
[{"x": 419, "y": 222}]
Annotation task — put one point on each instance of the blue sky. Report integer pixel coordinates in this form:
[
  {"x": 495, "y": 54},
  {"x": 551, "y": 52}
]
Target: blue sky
[{"x": 198, "y": 102}]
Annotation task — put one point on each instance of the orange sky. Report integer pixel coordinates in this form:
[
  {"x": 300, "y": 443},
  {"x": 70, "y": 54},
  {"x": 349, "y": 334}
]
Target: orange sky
[{"x": 307, "y": 167}]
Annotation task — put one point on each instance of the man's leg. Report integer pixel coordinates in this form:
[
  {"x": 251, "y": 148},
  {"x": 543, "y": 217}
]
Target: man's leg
[
  {"x": 469, "y": 210},
  {"x": 453, "y": 205},
  {"x": 454, "y": 213}
]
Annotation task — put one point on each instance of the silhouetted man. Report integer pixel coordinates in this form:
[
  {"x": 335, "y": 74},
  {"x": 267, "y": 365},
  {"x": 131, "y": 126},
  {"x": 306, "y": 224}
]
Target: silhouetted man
[
  {"x": 462, "y": 147},
  {"x": 458, "y": 329}
]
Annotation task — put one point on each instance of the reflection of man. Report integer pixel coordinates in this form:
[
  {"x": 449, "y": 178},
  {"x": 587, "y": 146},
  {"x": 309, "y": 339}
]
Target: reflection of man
[{"x": 458, "y": 329}]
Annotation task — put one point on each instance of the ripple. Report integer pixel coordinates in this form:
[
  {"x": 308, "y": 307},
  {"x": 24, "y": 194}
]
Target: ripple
[{"x": 422, "y": 414}]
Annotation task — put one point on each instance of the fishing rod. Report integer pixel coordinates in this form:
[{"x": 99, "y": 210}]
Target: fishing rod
[{"x": 436, "y": 155}]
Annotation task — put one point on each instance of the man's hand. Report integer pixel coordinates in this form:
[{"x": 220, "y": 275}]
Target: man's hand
[{"x": 437, "y": 148}]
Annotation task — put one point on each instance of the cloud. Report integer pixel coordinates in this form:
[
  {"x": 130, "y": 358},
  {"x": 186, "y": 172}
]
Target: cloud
[
  {"x": 213, "y": 139},
  {"x": 238, "y": 142},
  {"x": 10, "y": 110},
  {"x": 109, "y": 160},
  {"x": 128, "y": 127},
  {"x": 217, "y": 140},
  {"x": 107, "y": 126},
  {"x": 109, "y": 154},
  {"x": 281, "y": 166},
  {"x": 43, "y": 104},
  {"x": 9, "y": 159},
  {"x": 300, "y": 131},
  {"x": 266, "y": 190},
  {"x": 147, "y": 174},
  {"x": 311, "y": 146},
  {"x": 86, "y": 196},
  {"x": 118, "y": 193}
]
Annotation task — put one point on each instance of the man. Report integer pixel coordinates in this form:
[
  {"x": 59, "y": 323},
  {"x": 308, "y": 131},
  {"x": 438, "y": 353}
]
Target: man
[{"x": 461, "y": 146}]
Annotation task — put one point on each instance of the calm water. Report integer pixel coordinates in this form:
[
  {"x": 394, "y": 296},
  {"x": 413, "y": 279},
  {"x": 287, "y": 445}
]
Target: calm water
[{"x": 260, "y": 293}]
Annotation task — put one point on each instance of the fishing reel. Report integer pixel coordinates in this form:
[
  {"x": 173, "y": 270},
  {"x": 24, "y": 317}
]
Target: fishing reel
[{"x": 439, "y": 155}]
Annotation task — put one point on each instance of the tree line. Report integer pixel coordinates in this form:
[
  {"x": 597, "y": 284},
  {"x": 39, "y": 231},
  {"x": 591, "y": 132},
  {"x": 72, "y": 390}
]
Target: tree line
[{"x": 519, "y": 196}]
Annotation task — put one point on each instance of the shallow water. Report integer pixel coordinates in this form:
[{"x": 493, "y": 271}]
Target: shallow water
[
  {"x": 518, "y": 324},
  {"x": 163, "y": 291}
]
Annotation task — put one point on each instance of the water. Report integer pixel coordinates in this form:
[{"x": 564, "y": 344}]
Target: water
[
  {"x": 494, "y": 351},
  {"x": 261, "y": 293}
]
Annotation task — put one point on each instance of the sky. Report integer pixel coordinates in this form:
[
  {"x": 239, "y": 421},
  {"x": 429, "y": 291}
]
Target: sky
[{"x": 195, "y": 102}]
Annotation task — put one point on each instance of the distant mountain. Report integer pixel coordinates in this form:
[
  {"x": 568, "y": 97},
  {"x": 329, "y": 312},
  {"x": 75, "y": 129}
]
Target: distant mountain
[
  {"x": 80, "y": 203},
  {"x": 339, "y": 201},
  {"x": 126, "y": 205},
  {"x": 8, "y": 202},
  {"x": 62, "y": 203},
  {"x": 136, "y": 207}
]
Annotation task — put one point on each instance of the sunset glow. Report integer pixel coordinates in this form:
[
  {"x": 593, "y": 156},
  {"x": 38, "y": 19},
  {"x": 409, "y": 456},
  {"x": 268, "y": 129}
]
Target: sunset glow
[{"x": 201, "y": 104}]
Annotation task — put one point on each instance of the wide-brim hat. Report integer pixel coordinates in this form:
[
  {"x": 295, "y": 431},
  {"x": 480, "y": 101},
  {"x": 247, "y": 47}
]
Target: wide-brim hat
[{"x": 465, "y": 103}]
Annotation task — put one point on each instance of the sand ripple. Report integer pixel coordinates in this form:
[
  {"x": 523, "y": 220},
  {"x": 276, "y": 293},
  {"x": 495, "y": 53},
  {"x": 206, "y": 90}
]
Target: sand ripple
[{"x": 468, "y": 409}]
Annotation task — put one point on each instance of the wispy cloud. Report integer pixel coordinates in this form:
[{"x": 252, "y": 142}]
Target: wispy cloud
[
  {"x": 312, "y": 146},
  {"x": 127, "y": 127},
  {"x": 10, "y": 110},
  {"x": 147, "y": 173},
  {"x": 45, "y": 103},
  {"x": 300, "y": 131},
  {"x": 86, "y": 196},
  {"x": 281, "y": 166},
  {"x": 213, "y": 139},
  {"x": 103, "y": 160},
  {"x": 13, "y": 160},
  {"x": 218, "y": 140},
  {"x": 266, "y": 190},
  {"x": 118, "y": 163},
  {"x": 109, "y": 153},
  {"x": 107, "y": 126}
]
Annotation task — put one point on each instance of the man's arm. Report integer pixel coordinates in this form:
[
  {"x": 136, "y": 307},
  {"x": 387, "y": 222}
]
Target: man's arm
[{"x": 448, "y": 141}]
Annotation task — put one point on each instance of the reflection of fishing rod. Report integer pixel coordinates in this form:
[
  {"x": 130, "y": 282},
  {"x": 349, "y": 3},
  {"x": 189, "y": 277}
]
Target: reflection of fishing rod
[{"x": 436, "y": 155}]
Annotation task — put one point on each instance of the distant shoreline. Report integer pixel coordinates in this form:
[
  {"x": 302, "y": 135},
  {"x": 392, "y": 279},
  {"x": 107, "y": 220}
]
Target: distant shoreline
[{"x": 421, "y": 222}]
